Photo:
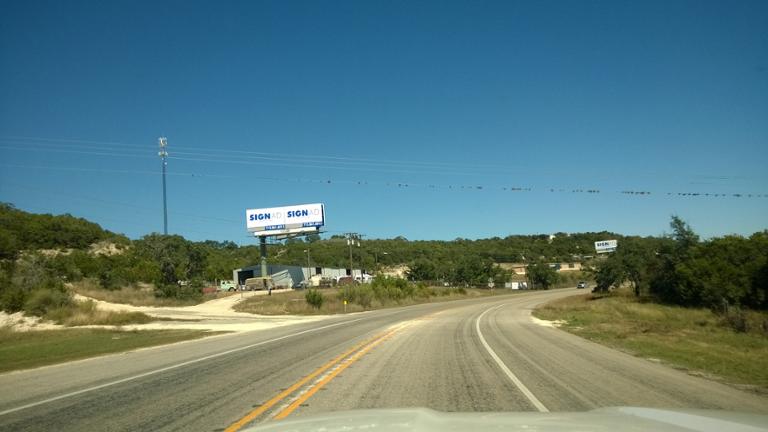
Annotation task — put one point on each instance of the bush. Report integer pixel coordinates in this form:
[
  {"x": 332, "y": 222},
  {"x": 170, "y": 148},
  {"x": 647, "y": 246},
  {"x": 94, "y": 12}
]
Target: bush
[
  {"x": 424, "y": 291},
  {"x": 391, "y": 289},
  {"x": 360, "y": 294},
  {"x": 12, "y": 298},
  {"x": 314, "y": 298},
  {"x": 175, "y": 291},
  {"x": 44, "y": 300},
  {"x": 109, "y": 280}
]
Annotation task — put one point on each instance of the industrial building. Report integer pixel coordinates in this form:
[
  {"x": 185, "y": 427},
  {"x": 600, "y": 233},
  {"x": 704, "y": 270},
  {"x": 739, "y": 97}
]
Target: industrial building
[{"x": 297, "y": 274}]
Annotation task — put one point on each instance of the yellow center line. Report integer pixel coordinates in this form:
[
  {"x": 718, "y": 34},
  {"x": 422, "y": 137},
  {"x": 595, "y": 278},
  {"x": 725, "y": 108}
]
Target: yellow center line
[
  {"x": 320, "y": 384},
  {"x": 285, "y": 393}
]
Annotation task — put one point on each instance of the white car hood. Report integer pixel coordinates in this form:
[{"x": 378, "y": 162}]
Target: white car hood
[{"x": 603, "y": 419}]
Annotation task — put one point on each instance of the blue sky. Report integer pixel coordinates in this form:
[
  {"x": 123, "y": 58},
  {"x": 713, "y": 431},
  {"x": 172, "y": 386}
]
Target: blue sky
[{"x": 404, "y": 118}]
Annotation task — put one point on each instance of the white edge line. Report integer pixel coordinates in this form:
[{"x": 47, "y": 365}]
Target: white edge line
[
  {"x": 512, "y": 377},
  {"x": 167, "y": 368}
]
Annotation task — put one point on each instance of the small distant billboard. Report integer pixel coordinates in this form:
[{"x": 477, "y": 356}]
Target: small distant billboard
[
  {"x": 293, "y": 219},
  {"x": 605, "y": 246}
]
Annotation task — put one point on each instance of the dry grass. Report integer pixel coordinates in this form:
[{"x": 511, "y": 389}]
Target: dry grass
[
  {"x": 293, "y": 302},
  {"x": 139, "y": 295},
  {"x": 86, "y": 313},
  {"x": 686, "y": 338}
]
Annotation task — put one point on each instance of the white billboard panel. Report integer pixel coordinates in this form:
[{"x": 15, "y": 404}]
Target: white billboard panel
[
  {"x": 605, "y": 246},
  {"x": 279, "y": 220}
]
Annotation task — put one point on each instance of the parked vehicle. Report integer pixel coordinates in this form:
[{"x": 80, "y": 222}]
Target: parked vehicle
[
  {"x": 226, "y": 285},
  {"x": 257, "y": 283},
  {"x": 346, "y": 280},
  {"x": 283, "y": 279},
  {"x": 581, "y": 285}
]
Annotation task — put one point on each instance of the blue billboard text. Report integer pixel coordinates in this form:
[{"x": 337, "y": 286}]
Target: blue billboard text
[
  {"x": 259, "y": 216},
  {"x": 298, "y": 213}
]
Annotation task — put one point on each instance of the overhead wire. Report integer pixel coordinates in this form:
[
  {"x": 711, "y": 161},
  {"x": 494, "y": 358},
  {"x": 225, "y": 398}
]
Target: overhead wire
[
  {"x": 268, "y": 155},
  {"x": 486, "y": 168},
  {"x": 93, "y": 147}
]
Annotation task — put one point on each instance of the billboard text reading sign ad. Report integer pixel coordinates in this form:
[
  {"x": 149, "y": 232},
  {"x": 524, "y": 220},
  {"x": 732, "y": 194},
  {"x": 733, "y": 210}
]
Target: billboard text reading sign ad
[
  {"x": 605, "y": 246},
  {"x": 285, "y": 219}
]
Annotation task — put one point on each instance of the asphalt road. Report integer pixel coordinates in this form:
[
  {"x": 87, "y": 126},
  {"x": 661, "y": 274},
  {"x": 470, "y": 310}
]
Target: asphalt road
[{"x": 475, "y": 355}]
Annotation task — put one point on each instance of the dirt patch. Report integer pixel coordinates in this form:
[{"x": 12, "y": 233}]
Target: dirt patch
[
  {"x": 214, "y": 315},
  {"x": 21, "y": 323},
  {"x": 105, "y": 248},
  {"x": 546, "y": 323}
]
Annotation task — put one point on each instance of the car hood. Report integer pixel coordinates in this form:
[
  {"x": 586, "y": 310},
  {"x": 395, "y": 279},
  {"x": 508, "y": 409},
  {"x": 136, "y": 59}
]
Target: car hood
[{"x": 603, "y": 419}]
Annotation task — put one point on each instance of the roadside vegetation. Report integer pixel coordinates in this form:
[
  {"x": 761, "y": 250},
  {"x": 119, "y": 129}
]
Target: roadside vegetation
[
  {"x": 381, "y": 293},
  {"x": 697, "y": 340},
  {"x": 700, "y": 305},
  {"x": 43, "y": 258},
  {"x": 141, "y": 294},
  {"x": 725, "y": 274},
  {"x": 24, "y": 350}
]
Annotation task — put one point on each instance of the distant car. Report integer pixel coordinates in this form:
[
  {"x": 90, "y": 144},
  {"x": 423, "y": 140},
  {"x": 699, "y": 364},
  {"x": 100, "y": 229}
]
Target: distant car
[
  {"x": 581, "y": 285},
  {"x": 346, "y": 280},
  {"x": 227, "y": 285}
]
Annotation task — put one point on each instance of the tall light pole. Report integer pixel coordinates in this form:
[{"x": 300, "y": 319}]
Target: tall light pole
[{"x": 163, "y": 156}]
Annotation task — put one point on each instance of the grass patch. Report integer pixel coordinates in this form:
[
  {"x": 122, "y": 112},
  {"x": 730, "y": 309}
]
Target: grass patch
[
  {"x": 295, "y": 303},
  {"x": 694, "y": 339},
  {"x": 86, "y": 313},
  {"x": 24, "y": 350},
  {"x": 139, "y": 295}
]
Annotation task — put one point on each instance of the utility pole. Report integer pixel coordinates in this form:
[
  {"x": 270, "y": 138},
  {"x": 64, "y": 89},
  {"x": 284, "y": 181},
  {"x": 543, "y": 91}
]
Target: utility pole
[
  {"x": 309, "y": 271},
  {"x": 163, "y": 156},
  {"x": 263, "y": 253},
  {"x": 352, "y": 239}
]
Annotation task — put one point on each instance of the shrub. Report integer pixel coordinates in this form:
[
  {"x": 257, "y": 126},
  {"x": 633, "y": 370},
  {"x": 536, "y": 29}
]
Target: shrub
[
  {"x": 360, "y": 294},
  {"x": 386, "y": 289},
  {"x": 736, "y": 319},
  {"x": 44, "y": 300},
  {"x": 314, "y": 298},
  {"x": 12, "y": 298},
  {"x": 175, "y": 291}
]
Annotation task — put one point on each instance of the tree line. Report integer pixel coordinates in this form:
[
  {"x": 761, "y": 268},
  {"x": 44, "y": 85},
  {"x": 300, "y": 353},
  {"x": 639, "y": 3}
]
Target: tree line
[{"x": 681, "y": 269}]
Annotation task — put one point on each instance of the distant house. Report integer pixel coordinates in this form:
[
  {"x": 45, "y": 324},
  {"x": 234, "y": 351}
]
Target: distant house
[{"x": 519, "y": 268}]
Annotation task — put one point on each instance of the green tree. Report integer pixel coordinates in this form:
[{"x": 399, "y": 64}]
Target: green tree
[
  {"x": 9, "y": 246},
  {"x": 667, "y": 283},
  {"x": 422, "y": 270},
  {"x": 541, "y": 274}
]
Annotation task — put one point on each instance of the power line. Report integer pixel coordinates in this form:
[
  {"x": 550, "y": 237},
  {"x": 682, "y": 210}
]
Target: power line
[
  {"x": 121, "y": 203},
  {"x": 327, "y": 162},
  {"x": 433, "y": 186},
  {"x": 255, "y": 160},
  {"x": 265, "y": 155}
]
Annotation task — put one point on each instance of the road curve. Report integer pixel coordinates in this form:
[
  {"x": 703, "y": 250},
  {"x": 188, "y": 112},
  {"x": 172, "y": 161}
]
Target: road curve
[{"x": 474, "y": 355}]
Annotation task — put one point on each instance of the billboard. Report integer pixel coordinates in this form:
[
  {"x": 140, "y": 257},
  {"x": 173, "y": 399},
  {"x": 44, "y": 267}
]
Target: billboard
[
  {"x": 285, "y": 220},
  {"x": 605, "y": 246}
]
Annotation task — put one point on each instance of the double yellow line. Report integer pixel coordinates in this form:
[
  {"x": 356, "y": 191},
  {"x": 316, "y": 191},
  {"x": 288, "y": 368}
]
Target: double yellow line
[{"x": 351, "y": 356}]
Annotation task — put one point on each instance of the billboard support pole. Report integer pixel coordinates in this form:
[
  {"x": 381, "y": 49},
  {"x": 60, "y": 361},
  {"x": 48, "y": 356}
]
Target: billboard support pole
[{"x": 263, "y": 253}]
